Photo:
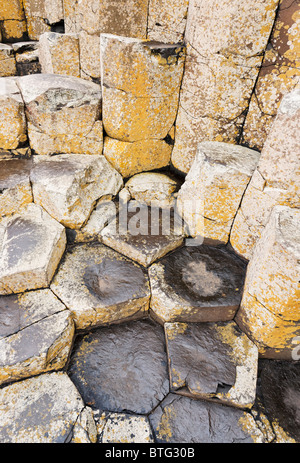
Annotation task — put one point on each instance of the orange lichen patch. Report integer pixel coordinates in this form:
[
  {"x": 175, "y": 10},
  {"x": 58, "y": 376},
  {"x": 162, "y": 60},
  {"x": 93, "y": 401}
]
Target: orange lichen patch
[
  {"x": 14, "y": 199},
  {"x": 164, "y": 429},
  {"x": 131, "y": 158},
  {"x": 12, "y": 9},
  {"x": 14, "y": 29},
  {"x": 59, "y": 54},
  {"x": 247, "y": 423},
  {"x": 167, "y": 20}
]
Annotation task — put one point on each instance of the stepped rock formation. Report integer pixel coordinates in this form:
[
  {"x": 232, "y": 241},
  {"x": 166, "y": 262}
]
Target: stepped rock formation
[{"x": 149, "y": 222}]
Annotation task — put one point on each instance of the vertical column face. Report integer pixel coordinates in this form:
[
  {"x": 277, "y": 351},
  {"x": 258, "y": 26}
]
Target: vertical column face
[
  {"x": 40, "y": 15},
  {"x": 140, "y": 87},
  {"x": 90, "y": 18},
  {"x": 271, "y": 293},
  {"x": 225, "y": 42},
  {"x": 276, "y": 179},
  {"x": 12, "y": 115},
  {"x": 279, "y": 73},
  {"x": 167, "y": 20},
  {"x": 59, "y": 54},
  {"x": 12, "y": 21}
]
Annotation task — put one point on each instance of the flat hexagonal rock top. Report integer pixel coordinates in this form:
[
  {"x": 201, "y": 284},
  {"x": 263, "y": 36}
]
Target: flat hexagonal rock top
[
  {"x": 144, "y": 233},
  {"x": 279, "y": 397},
  {"x": 15, "y": 188},
  {"x": 68, "y": 185},
  {"x": 197, "y": 284},
  {"x": 36, "y": 334},
  {"x": 123, "y": 428},
  {"x": 31, "y": 246},
  {"x": 122, "y": 367},
  {"x": 184, "y": 420},
  {"x": 45, "y": 409},
  {"x": 100, "y": 286},
  {"x": 212, "y": 361}
]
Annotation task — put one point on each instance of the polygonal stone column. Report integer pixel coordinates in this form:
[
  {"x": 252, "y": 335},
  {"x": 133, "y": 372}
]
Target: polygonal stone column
[
  {"x": 68, "y": 185},
  {"x": 59, "y": 54},
  {"x": 225, "y": 42},
  {"x": 269, "y": 311},
  {"x": 63, "y": 113},
  {"x": 278, "y": 75},
  {"x": 12, "y": 115},
  {"x": 275, "y": 180},
  {"x": 41, "y": 15},
  {"x": 12, "y": 21},
  {"x": 31, "y": 246},
  {"x": 7, "y": 61},
  {"x": 213, "y": 189},
  {"x": 140, "y": 87}
]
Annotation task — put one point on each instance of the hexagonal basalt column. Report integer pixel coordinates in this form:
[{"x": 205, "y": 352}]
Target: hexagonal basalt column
[
  {"x": 197, "y": 284},
  {"x": 144, "y": 233},
  {"x": 269, "y": 311},
  {"x": 36, "y": 335},
  {"x": 31, "y": 246},
  {"x": 100, "y": 286},
  {"x": 122, "y": 368},
  {"x": 45, "y": 409},
  {"x": 63, "y": 113},
  {"x": 183, "y": 420},
  {"x": 67, "y": 186},
  {"x": 213, "y": 189},
  {"x": 213, "y": 361}
]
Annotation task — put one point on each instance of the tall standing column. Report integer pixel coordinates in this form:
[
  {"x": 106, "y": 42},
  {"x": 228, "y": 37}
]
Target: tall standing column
[{"x": 225, "y": 43}]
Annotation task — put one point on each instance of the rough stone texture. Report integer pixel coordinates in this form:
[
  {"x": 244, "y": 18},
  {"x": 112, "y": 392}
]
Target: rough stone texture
[
  {"x": 278, "y": 75},
  {"x": 36, "y": 335},
  {"x": 269, "y": 311},
  {"x": 278, "y": 398},
  {"x": 27, "y": 58},
  {"x": 153, "y": 188},
  {"x": 45, "y": 409},
  {"x": 92, "y": 18},
  {"x": 275, "y": 180},
  {"x": 41, "y": 15},
  {"x": 167, "y": 20},
  {"x": 105, "y": 211},
  {"x": 68, "y": 185},
  {"x": 63, "y": 114},
  {"x": 140, "y": 86},
  {"x": 144, "y": 234},
  {"x": 135, "y": 354},
  {"x": 31, "y": 246},
  {"x": 7, "y": 61},
  {"x": 59, "y": 54},
  {"x": 12, "y": 115},
  {"x": 225, "y": 42},
  {"x": 122, "y": 428},
  {"x": 212, "y": 361},
  {"x": 218, "y": 178},
  {"x": 100, "y": 286},
  {"x": 136, "y": 157},
  {"x": 197, "y": 284},
  {"x": 15, "y": 188},
  {"x": 184, "y": 420},
  {"x": 12, "y": 21}
]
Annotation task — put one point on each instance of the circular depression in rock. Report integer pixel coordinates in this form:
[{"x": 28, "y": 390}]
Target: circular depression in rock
[
  {"x": 205, "y": 274},
  {"x": 122, "y": 367}
]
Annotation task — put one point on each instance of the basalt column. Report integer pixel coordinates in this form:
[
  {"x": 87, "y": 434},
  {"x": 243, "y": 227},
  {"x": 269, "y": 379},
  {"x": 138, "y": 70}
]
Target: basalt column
[
  {"x": 225, "y": 43},
  {"x": 140, "y": 85},
  {"x": 275, "y": 180},
  {"x": 279, "y": 74}
]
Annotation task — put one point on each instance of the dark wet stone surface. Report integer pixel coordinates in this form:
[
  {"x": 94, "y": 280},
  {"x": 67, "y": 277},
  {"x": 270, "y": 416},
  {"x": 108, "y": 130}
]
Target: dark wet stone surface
[
  {"x": 13, "y": 172},
  {"x": 184, "y": 420},
  {"x": 121, "y": 368},
  {"x": 199, "y": 359},
  {"x": 279, "y": 394},
  {"x": 205, "y": 276},
  {"x": 22, "y": 237}
]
